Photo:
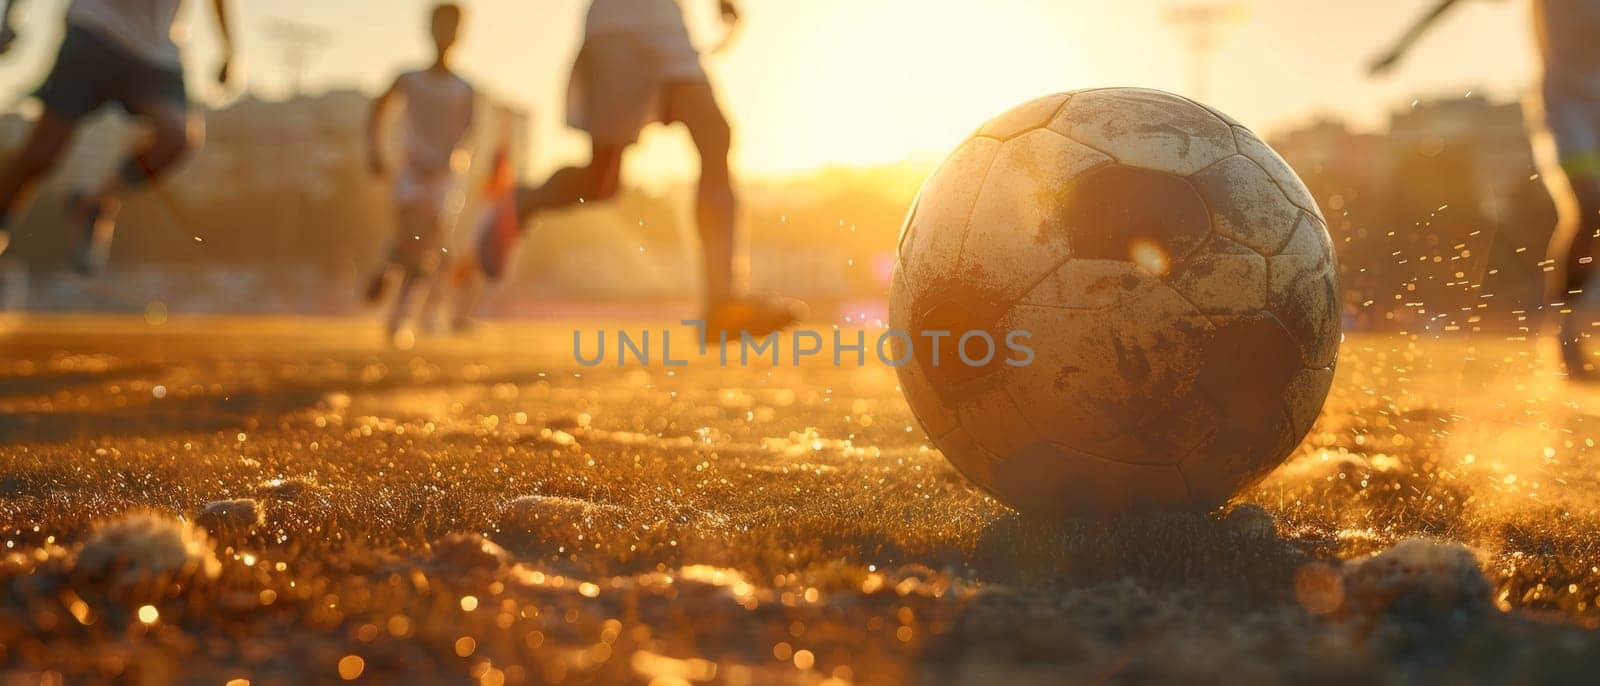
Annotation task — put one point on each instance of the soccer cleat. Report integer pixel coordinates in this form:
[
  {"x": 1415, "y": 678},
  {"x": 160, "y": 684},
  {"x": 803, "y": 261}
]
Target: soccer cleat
[
  {"x": 96, "y": 223},
  {"x": 758, "y": 317}
]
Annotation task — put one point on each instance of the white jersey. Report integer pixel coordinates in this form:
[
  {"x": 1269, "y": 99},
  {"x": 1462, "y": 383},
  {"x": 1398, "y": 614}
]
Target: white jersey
[
  {"x": 636, "y": 17},
  {"x": 150, "y": 30},
  {"x": 438, "y": 113}
]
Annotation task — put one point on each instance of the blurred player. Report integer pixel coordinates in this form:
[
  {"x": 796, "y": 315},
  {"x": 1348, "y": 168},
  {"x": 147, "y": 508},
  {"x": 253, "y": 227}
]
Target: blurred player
[
  {"x": 637, "y": 66},
  {"x": 438, "y": 111},
  {"x": 1566, "y": 110},
  {"x": 115, "y": 51}
]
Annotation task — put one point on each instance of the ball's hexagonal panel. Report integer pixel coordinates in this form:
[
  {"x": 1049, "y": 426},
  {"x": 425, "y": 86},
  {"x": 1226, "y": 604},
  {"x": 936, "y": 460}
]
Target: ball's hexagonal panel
[
  {"x": 1246, "y": 204},
  {"x": 1017, "y": 232},
  {"x": 1289, "y": 182},
  {"x": 1302, "y": 291},
  {"x": 1057, "y": 480},
  {"x": 1147, "y": 128},
  {"x": 1309, "y": 308},
  {"x": 1150, "y": 218},
  {"x": 1023, "y": 118},
  {"x": 932, "y": 244},
  {"x": 1224, "y": 277},
  {"x": 1086, "y": 285}
]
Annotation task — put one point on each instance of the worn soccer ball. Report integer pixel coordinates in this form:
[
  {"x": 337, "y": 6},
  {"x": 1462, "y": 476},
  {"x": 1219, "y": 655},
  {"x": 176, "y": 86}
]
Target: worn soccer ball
[{"x": 1176, "y": 284}]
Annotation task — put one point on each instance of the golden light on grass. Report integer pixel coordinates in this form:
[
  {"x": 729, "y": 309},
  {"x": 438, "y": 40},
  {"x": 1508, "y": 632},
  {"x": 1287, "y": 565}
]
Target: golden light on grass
[
  {"x": 466, "y": 645},
  {"x": 469, "y": 603},
  {"x": 149, "y": 614},
  {"x": 804, "y": 659},
  {"x": 351, "y": 667}
]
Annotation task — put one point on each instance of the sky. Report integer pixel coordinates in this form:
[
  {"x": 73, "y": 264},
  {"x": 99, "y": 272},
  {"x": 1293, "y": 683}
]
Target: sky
[{"x": 813, "y": 83}]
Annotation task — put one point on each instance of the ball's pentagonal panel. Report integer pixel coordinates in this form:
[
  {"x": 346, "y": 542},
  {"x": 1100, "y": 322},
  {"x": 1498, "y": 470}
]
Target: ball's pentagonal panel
[
  {"x": 1246, "y": 205},
  {"x": 1149, "y": 218},
  {"x": 1085, "y": 285},
  {"x": 1018, "y": 231},
  {"x": 1056, "y": 479},
  {"x": 1024, "y": 118},
  {"x": 1176, "y": 287},
  {"x": 1146, "y": 128},
  {"x": 932, "y": 244},
  {"x": 1252, "y": 147},
  {"x": 1302, "y": 292},
  {"x": 1224, "y": 278},
  {"x": 1248, "y": 365}
]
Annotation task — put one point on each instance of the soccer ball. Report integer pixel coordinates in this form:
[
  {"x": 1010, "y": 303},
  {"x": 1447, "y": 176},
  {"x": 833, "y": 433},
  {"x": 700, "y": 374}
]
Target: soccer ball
[{"x": 1176, "y": 285}]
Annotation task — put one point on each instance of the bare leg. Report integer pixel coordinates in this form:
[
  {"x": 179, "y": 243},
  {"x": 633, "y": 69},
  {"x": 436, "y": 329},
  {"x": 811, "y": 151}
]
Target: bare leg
[
  {"x": 417, "y": 253},
  {"x": 20, "y": 176},
  {"x": 716, "y": 206},
  {"x": 596, "y": 182},
  {"x": 1573, "y": 248},
  {"x": 175, "y": 133}
]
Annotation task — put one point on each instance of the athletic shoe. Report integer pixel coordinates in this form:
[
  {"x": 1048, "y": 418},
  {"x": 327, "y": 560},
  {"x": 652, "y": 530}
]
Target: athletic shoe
[
  {"x": 757, "y": 317},
  {"x": 97, "y": 223}
]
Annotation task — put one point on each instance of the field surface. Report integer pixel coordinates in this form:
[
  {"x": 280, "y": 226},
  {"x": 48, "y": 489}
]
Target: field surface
[{"x": 484, "y": 510}]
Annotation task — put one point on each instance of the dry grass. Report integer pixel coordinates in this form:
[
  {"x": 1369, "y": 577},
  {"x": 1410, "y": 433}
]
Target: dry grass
[{"x": 486, "y": 511}]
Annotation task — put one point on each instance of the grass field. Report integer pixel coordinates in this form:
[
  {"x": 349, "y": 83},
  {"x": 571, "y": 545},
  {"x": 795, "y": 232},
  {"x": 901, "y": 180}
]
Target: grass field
[{"x": 485, "y": 510}]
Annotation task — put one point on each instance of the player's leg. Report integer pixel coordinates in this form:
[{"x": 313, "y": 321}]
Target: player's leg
[
  {"x": 716, "y": 206},
  {"x": 418, "y": 253},
  {"x": 501, "y": 226},
  {"x": 1568, "y": 151},
  {"x": 20, "y": 175},
  {"x": 728, "y": 308},
  {"x": 597, "y": 181},
  {"x": 174, "y": 133},
  {"x": 76, "y": 87}
]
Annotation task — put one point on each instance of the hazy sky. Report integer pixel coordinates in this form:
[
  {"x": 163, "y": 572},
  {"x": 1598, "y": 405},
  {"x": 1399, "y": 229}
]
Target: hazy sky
[{"x": 814, "y": 82}]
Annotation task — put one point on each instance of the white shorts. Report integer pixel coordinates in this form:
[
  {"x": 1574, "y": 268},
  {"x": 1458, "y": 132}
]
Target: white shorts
[{"x": 620, "y": 79}]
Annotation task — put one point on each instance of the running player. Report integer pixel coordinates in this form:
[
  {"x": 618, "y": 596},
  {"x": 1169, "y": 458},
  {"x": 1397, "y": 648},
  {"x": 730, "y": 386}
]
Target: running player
[
  {"x": 115, "y": 51},
  {"x": 1565, "y": 112},
  {"x": 637, "y": 66},
  {"x": 439, "y": 108}
]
